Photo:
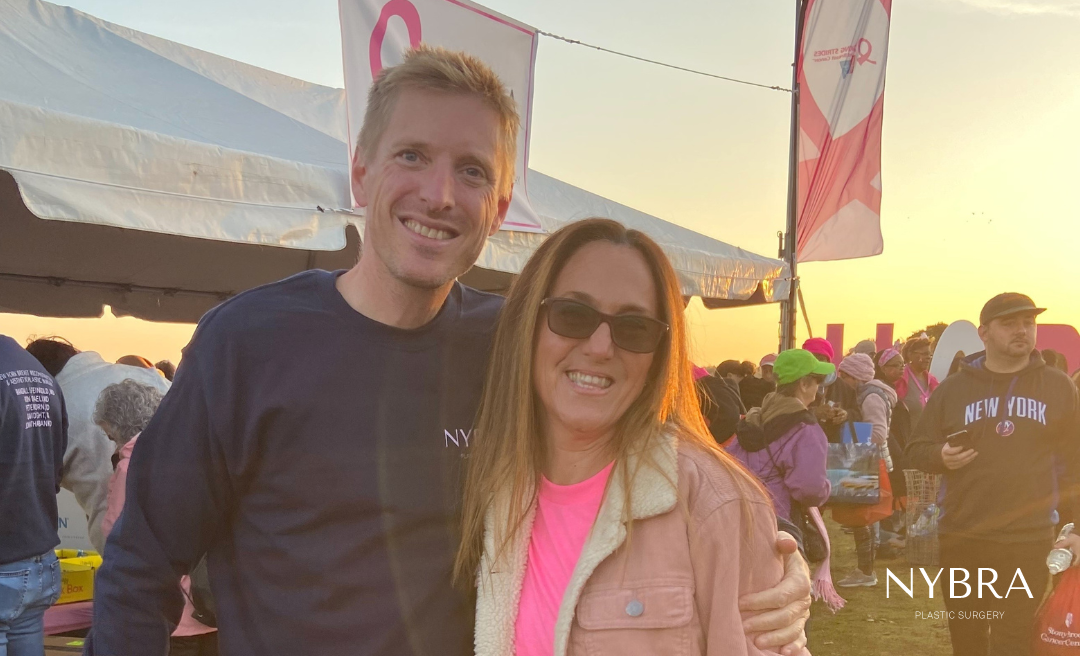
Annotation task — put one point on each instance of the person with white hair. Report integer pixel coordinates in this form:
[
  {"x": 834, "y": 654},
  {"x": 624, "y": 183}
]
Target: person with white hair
[{"x": 122, "y": 411}]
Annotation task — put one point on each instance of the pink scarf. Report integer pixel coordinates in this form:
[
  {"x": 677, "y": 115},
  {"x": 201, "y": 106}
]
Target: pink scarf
[{"x": 821, "y": 584}]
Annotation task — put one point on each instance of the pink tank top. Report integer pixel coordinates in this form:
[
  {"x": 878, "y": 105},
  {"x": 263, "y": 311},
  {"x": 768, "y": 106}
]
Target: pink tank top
[{"x": 564, "y": 516}]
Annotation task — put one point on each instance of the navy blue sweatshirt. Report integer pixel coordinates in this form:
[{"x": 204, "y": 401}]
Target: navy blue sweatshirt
[
  {"x": 317, "y": 456},
  {"x": 33, "y": 437},
  {"x": 1021, "y": 424}
]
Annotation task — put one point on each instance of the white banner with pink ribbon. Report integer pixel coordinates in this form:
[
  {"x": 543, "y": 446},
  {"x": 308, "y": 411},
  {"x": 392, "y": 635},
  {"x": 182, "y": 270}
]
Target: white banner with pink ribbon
[
  {"x": 841, "y": 101},
  {"x": 375, "y": 34}
]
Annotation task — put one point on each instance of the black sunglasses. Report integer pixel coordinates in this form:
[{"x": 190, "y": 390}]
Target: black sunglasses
[{"x": 630, "y": 332}]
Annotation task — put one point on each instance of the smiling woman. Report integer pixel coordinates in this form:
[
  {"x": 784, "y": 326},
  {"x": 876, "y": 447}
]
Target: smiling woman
[{"x": 590, "y": 431}]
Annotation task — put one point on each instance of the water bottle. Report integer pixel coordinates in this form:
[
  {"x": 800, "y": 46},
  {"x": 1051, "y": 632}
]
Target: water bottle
[
  {"x": 886, "y": 456},
  {"x": 926, "y": 524},
  {"x": 1060, "y": 560}
]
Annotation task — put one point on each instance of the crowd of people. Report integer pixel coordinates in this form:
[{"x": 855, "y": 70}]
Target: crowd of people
[
  {"x": 1003, "y": 429},
  {"x": 384, "y": 461},
  {"x": 83, "y": 415}
]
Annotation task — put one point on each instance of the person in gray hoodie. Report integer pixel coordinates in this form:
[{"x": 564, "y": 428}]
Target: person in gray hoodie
[{"x": 876, "y": 402}]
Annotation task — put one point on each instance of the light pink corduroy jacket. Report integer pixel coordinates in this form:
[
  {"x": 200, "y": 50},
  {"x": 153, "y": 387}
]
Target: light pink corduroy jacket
[{"x": 673, "y": 591}]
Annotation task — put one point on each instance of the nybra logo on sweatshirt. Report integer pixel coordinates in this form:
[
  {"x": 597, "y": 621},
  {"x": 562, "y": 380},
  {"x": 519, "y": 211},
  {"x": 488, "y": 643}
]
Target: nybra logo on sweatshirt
[
  {"x": 1018, "y": 407},
  {"x": 458, "y": 437}
]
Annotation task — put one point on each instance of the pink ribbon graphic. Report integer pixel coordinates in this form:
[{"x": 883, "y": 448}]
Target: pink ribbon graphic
[{"x": 864, "y": 57}]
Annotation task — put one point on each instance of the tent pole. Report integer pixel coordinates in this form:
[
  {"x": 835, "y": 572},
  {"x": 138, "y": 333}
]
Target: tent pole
[
  {"x": 805, "y": 316},
  {"x": 788, "y": 309}
]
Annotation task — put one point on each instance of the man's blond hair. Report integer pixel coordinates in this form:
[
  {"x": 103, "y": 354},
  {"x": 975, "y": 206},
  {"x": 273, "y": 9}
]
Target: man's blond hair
[{"x": 438, "y": 69}]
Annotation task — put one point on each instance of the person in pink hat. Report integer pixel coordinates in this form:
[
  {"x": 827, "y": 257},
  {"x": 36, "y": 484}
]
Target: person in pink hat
[
  {"x": 876, "y": 401},
  {"x": 831, "y": 410},
  {"x": 766, "y": 368},
  {"x": 821, "y": 348}
]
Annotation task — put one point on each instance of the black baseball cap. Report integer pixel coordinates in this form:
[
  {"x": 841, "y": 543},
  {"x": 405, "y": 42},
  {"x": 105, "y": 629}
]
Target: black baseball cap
[{"x": 1008, "y": 304}]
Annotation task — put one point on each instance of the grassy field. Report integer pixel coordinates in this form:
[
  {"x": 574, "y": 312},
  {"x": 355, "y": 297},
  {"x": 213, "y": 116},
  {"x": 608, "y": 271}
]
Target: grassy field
[{"x": 870, "y": 624}]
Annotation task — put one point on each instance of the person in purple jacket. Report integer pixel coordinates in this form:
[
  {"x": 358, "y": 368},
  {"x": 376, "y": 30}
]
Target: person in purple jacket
[{"x": 782, "y": 443}]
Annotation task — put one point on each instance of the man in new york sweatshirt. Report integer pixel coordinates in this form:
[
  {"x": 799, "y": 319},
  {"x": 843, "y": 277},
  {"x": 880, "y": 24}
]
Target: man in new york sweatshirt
[{"x": 1008, "y": 418}]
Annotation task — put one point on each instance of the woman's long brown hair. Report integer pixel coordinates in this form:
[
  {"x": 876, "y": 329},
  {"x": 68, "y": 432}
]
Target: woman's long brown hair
[{"x": 509, "y": 452}]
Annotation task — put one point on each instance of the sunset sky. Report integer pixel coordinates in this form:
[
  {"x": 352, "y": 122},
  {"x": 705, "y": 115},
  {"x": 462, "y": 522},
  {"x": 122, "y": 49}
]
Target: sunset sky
[{"x": 981, "y": 131}]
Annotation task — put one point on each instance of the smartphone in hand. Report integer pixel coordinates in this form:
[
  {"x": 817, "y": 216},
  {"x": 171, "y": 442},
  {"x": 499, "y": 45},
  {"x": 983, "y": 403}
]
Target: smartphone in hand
[{"x": 962, "y": 439}]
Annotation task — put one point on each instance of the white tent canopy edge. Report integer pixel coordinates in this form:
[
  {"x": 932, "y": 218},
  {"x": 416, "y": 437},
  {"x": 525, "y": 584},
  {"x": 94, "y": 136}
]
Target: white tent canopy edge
[{"x": 107, "y": 127}]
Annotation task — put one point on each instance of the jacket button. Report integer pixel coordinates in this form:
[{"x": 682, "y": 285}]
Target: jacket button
[{"x": 635, "y": 608}]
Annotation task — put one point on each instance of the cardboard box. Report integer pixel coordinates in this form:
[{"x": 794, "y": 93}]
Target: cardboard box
[
  {"x": 71, "y": 523},
  {"x": 77, "y": 576}
]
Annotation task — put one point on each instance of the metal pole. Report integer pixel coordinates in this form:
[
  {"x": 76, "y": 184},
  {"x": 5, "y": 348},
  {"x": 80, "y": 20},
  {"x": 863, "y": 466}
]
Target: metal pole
[
  {"x": 788, "y": 309},
  {"x": 805, "y": 316}
]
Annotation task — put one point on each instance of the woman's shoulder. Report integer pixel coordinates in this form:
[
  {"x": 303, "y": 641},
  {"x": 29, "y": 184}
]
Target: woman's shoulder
[
  {"x": 707, "y": 482},
  {"x": 880, "y": 390},
  {"x": 805, "y": 429}
]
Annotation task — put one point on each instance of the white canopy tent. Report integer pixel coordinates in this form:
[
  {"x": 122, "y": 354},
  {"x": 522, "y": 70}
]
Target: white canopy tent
[{"x": 160, "y": 179}]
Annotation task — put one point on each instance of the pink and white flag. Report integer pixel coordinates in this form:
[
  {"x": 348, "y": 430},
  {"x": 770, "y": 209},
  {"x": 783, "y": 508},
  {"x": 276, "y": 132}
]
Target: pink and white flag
[
  {"x": 376, "y": 33},
  {"x": 842, "y": 86}
]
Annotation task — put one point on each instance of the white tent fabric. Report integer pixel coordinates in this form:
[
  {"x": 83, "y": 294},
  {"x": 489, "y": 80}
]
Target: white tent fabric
[{"x": 103, "y": 125}]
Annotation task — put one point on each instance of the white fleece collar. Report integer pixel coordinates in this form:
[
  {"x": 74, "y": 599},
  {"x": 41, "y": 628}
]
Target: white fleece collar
[{"x": 499, "y": 593}]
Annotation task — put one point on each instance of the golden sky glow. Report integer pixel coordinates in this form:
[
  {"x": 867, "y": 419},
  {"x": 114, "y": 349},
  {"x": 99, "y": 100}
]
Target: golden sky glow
[{"x": 981, "y": 131}]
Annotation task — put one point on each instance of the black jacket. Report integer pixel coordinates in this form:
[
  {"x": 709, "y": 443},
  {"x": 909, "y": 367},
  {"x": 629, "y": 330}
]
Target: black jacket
[
  {"x": 899, "y": 434},
  {"x": 721, "y": 405},
  {"x": 1021, "y": 424},
  {"x": 754, "y": 390}
]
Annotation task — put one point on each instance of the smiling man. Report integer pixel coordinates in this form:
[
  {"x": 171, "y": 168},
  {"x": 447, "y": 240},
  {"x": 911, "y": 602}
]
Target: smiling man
[
  {"x": 996, "y": 430},
  {"x": 313, "y": 441}
]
